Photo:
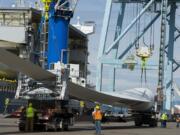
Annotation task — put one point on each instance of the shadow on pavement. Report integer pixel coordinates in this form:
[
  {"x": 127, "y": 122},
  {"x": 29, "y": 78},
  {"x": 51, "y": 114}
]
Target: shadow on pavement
[
  {"x": 108, "y": 128},
  {"x": 85, "y": 128},
  {"x": 15, "y": 133}
]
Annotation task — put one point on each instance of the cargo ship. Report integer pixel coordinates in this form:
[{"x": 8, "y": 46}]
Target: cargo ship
[{"x": 26, "y": 21}]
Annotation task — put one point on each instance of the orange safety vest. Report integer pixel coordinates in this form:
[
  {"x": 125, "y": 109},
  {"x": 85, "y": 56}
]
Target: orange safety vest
[
  {"x": 97, "y": 115},
  {"x": 177, "y": 119}
]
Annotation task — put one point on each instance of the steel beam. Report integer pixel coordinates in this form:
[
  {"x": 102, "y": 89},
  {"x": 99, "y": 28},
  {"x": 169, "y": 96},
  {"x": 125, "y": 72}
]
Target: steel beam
[
  {"x": 175, "y": 38},
  {"x": 112, "y": 75},
  {"x": 129, "y": 26},
  {"x": 176, "y": 29},
  {"x": 111, "y": 61},
  {"x": 160, "y": 92},
  {"x": 140, "y": 1},
  {"x": 174, "y": 62},
  {"x": 139, "y": 36},
  {"x": 170, "y": 52},
  {"x": 174, "y": 69},
  {"x": 115, "y": 63},
  {"x": 102, "y": 43}
]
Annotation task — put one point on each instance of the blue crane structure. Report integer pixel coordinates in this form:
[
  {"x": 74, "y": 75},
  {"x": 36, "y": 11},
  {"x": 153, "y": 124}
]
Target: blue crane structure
[
  {"x": 58, "y": 33},
  {"x": 58, "y": 14},
  {"x": 109, "y": 54}
]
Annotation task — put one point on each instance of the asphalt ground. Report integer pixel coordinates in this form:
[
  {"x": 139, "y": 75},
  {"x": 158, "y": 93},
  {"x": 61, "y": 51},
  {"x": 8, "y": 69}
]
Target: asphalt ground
[{"x": 10, "y": 127}]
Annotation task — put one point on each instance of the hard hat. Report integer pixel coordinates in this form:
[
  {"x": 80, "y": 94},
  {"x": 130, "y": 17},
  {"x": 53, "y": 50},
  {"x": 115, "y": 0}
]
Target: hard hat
[
  {"x": 30, "y": 104},
  {"x": 97, "y": 107}
]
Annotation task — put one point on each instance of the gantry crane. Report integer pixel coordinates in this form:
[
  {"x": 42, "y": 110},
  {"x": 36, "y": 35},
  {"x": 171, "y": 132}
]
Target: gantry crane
[{"x": 109, "y": 54}]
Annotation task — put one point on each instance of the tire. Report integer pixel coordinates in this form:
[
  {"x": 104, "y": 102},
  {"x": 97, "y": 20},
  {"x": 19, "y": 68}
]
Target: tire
[
  {"x": 65, "y": 128},
  {"x": 138, "y": 123},
  {"x": 22, "y": 128},
  {"x": 46, "y": 128},
  {"x": 153, "y": 123}
]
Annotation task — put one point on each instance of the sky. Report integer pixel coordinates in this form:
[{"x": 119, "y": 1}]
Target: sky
[{"x": 93, "y": 10}]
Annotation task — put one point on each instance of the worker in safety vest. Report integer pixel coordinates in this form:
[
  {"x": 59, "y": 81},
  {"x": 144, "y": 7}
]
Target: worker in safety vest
[
  {"x": 143, "y": 68},
  {"x": 6, "y": 102},
  {"x": 82, "y": 105},
  {"x": 29, "y": 117},
  {"x": 164, "y": 119},
  {"x": 177, "y": 121},
  {"x": 97, "y": 116}
]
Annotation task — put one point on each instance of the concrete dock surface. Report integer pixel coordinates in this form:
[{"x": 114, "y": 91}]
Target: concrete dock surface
[{"x": 9, "y": 126}]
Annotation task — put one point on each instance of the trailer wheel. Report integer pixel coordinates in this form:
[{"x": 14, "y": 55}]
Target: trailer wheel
[
  {"x": 153, "y": 123},
  {"x": 46, "y": 128},
  {"x": 21, "y": 127},
  {"x": 138, "y": 123},
  {"x": 65, "y": 127}
]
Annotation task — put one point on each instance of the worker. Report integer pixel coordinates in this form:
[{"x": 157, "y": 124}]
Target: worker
[
  {"x": 143, "y": 68},
  {"x": 97, "y": 117},
  {"x": 164, "y": 119},
  {"x": 81, "y": 109},
  {"x": 177, "y": 121},
  {"x": 36, "y": 4},
  {"x": 23, "y": 113},
  {"x": 6, "y": 105},
  {"x": 29, "y": 117}
]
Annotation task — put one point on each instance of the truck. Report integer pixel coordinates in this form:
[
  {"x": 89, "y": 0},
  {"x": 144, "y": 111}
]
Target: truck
[
  {"x": 49, "y": 115},
  {"x": 55, "y": 110}
]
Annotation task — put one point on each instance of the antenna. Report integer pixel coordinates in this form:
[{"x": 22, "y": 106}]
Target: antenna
[
  {"x": 78, "y": 21},
  {"x": 20, "y": 3}
]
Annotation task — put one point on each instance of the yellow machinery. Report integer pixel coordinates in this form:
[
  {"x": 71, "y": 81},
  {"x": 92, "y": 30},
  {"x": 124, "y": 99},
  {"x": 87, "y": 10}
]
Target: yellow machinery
[{"x": 46, "y": 7}]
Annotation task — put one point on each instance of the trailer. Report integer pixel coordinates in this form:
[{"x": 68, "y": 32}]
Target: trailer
[{"x": 49, "y": 115}]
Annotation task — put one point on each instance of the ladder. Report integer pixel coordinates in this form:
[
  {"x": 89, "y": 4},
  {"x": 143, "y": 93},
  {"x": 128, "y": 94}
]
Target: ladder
[
  {"x": 22, "y": 85},
  {"x": 162, "y": 55},
  {"x": 43, "y": 43}
]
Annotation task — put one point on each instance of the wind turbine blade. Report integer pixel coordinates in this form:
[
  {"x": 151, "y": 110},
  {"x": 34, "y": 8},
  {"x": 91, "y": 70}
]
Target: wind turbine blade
[{"x": 26, "y": 67}]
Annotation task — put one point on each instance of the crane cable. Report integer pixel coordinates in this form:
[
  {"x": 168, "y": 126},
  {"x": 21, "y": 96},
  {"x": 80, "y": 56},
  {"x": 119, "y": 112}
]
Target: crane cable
[
  {"x": 144, "y": 59},
  {"x": 152, "y": 36},
  {"x": 137, "y": 27},
  {"x": 151, "y": 48}
]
